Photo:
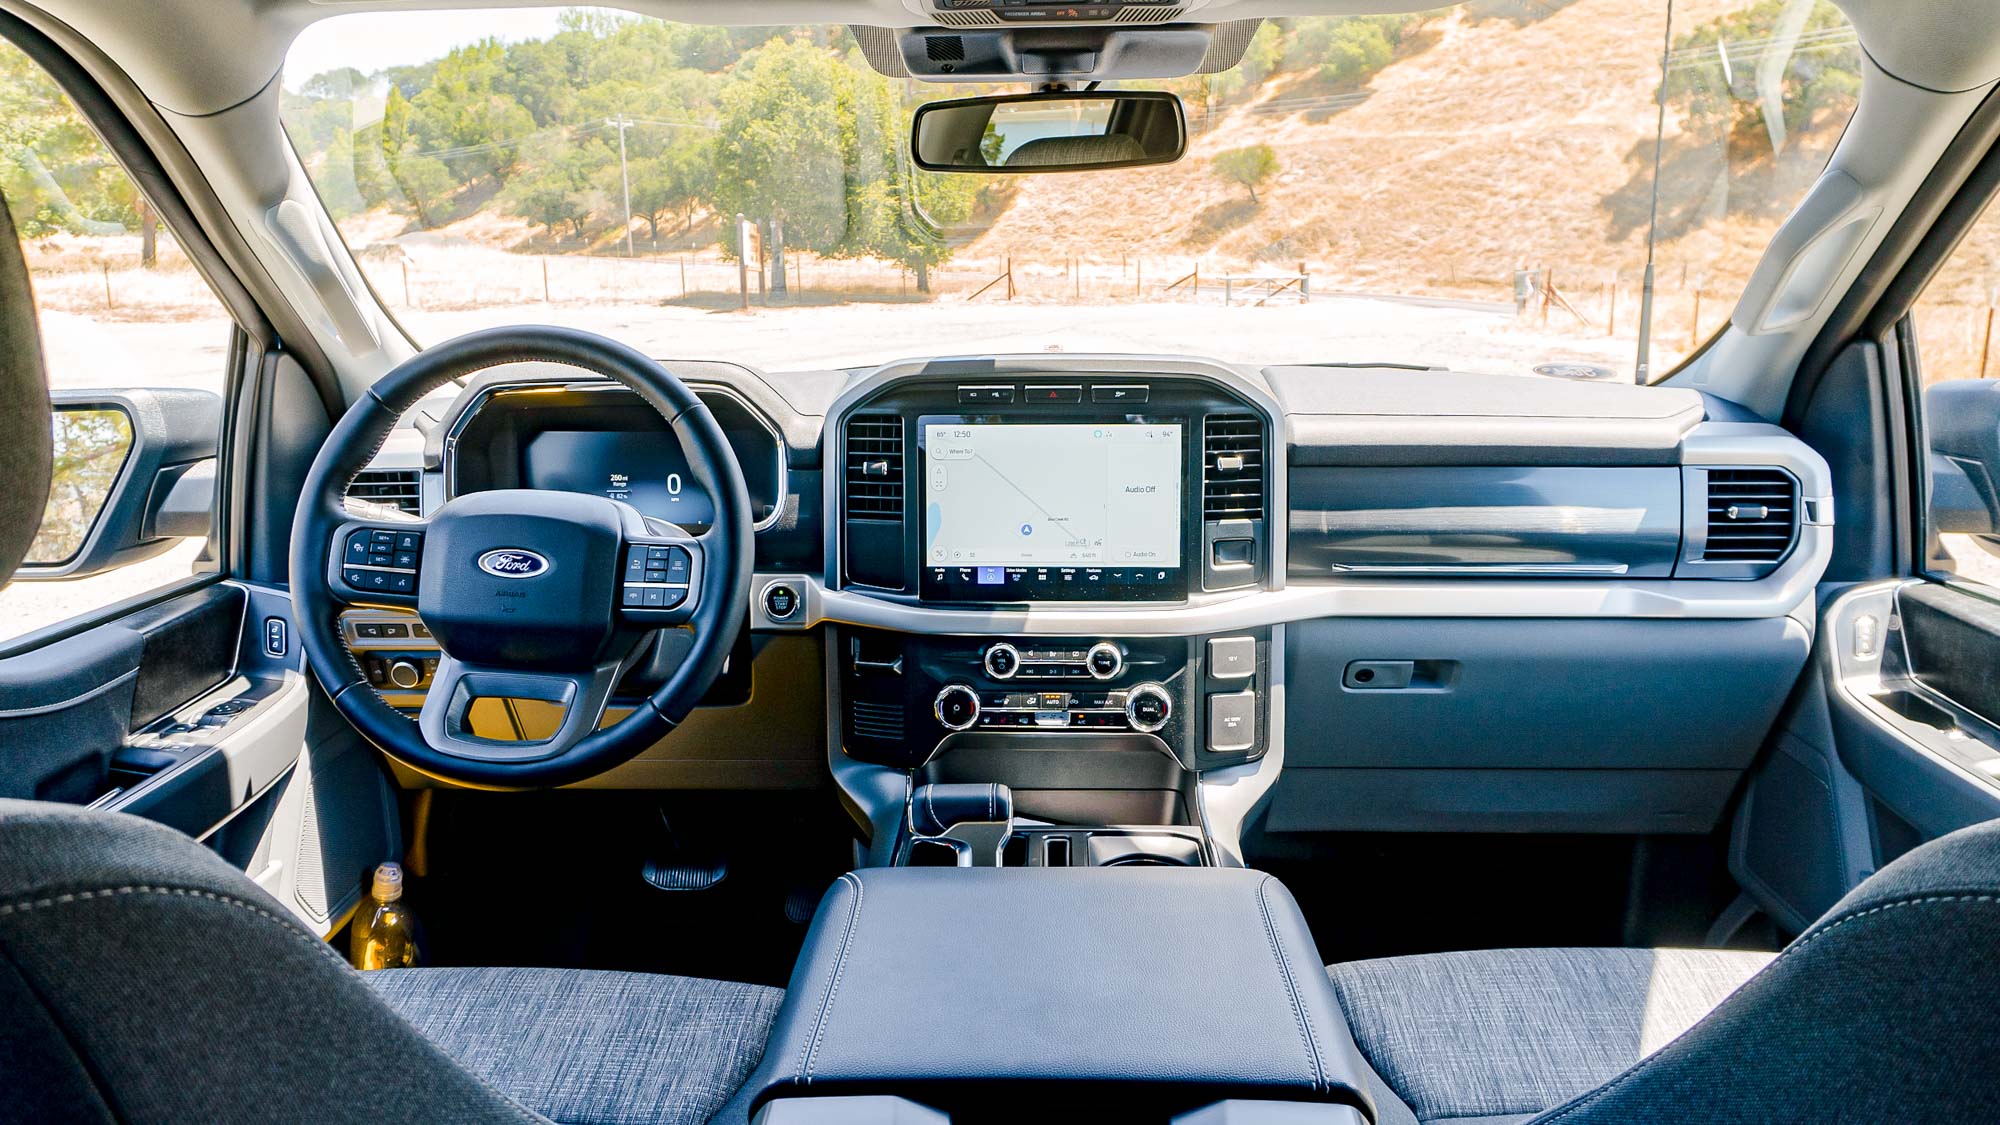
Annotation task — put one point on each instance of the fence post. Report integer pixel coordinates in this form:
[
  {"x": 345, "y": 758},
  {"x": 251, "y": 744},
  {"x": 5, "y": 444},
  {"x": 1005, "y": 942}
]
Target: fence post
[
  {"x": 1694, "y": 329},
  {"x": 406, "y": 282},
  {"x": 1305, "y": 285},
  {"x": 684, "y": 276},
  {"x": 545, "y": 279},
  {"x": 1139, "y": 278},
  {"x": 1195, "y": 291},
  {"x": 1010, "y": 277},
  {"x": 1987, "y": 343},
  {"x": 1228, "y": 291},
  {"x": 107, "y": 284}
]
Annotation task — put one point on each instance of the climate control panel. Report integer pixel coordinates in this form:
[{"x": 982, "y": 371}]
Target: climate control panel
[
  {"x": 1144, "y": 708},
  {"x": 905, "y": 698}
]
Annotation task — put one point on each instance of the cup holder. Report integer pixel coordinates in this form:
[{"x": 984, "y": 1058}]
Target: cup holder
[{"x": 926, "y": 851}]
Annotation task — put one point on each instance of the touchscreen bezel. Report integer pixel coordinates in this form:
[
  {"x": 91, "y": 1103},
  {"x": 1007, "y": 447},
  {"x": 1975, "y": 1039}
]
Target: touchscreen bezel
[{"x": 1026, "y": 584}]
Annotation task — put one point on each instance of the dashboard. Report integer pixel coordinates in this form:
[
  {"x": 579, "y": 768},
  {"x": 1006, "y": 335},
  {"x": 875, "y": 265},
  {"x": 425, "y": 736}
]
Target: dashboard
[{"x": 1352, "y": 599}]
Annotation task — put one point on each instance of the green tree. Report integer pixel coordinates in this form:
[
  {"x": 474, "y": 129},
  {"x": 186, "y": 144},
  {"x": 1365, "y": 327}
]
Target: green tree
[
  {"x": 896, "y": 211},
  {"x": 674, "y": 182},
  {"x": 780, "y": 156},
  {"x": 554, "y": 189},
  {"x": 1249, "y": 166}
]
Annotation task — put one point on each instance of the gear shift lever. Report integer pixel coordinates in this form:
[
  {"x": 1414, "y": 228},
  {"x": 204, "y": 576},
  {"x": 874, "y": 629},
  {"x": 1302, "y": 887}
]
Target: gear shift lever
[{"x": 980, "y": 817}]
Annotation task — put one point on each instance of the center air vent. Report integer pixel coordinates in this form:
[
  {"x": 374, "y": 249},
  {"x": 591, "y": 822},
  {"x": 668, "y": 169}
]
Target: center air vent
[
  {"x": 875, "y": 467},
  {"x": 401, "y": 489},
  {"x": 1232, "y": 467}
]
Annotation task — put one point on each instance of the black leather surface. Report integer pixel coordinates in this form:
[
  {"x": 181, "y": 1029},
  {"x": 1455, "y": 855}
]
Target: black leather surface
[
  {"x": 994, "y": 991},
  {"x": 936, "y": 807},
  {"x": 25, "y": 444}
]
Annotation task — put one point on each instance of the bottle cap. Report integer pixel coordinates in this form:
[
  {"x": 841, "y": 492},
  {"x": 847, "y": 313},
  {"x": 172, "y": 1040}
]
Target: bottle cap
[{"x": 388, "y": 883}]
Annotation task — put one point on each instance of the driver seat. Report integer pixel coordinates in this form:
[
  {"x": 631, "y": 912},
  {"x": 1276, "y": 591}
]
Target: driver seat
[{"x": 143, "y": 978}]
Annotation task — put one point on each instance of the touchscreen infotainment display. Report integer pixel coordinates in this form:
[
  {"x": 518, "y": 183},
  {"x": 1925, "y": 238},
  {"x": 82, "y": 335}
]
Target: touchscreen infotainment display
[{"x": 1032, "y": 511}]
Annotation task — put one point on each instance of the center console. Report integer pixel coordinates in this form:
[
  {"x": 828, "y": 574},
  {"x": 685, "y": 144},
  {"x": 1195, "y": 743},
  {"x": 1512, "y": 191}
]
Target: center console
[{"x": 997, "y": 995}]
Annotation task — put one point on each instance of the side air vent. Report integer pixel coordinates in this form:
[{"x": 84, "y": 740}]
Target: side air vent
[
  {"x": 1232, "y": 467},
  {"x": 1753, "y": 515},
  {"x": 401, "y": 489},
  {"x": 875, "y": 467},
  {"x": 944, "y": 48}
]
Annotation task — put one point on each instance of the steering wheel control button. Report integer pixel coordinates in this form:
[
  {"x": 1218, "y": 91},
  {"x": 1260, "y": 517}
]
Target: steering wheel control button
[
  {"x": 1002, "y": 661},
  {"x": 956, "y": 707},
  {"x": 1232, "y": 722},
  {"x": 780, "y": 601},
  {"x": 1148, "y": 707},
  {"x": 1232, "y": 658},
  {"x": 679, "y": 565},
  {"x": 1105, "y": 660}
]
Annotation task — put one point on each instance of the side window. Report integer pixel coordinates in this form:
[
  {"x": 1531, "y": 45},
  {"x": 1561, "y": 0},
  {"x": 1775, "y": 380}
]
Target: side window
[{"x": 136, "y": 347}]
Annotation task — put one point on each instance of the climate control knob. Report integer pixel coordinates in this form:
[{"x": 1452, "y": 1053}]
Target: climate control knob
[
  {"x": 1148, "y": 707},
  {"x": 1104, "y": 660},
  {"x": 1002, "y": 661},
  {"x": 956, "y": 707}
]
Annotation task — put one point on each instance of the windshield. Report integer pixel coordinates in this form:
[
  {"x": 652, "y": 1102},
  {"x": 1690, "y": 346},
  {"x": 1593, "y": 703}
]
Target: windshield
[{"x": 1471, "y": 187}]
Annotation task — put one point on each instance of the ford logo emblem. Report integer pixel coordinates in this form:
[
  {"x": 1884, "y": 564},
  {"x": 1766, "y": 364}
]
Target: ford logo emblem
[{"x": 513, "y": 562}]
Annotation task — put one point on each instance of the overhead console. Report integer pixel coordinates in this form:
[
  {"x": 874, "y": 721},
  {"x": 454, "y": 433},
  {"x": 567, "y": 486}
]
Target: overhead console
[{"x": 1071, "y": 488}]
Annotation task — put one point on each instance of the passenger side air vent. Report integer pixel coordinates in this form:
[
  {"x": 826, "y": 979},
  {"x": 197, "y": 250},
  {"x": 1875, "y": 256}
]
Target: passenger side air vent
[
  {"x": 401, "y": 489},
  {"x": 875, "y": 467},
  {"x": 1232, "y": 467},
  {"x": 944, "y": 48},
  {"x": 1752, "y": 515}
]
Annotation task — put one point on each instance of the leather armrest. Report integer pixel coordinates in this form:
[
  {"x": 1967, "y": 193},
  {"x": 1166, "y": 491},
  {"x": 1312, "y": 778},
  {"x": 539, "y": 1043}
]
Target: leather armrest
[{"x": 1153, "y": 990}]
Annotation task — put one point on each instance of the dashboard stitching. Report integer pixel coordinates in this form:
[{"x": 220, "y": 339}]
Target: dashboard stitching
[
  {"x": 806, "y": 1057},
  {"x": 1306, "y": 1036}
]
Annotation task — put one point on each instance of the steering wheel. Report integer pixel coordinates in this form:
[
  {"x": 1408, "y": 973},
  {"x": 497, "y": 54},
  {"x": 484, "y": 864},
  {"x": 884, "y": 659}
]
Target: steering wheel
[{"x": 529, "y": 595}]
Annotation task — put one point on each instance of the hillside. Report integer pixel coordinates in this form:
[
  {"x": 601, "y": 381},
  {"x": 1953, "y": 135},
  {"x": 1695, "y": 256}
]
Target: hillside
[{"x": 1490, "y": 146}]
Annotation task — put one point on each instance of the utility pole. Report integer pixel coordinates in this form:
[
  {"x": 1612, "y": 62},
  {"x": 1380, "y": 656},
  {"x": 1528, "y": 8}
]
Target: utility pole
[
  {"x": 1642, "y": 368},
  {"x": 622, "y": 123}
]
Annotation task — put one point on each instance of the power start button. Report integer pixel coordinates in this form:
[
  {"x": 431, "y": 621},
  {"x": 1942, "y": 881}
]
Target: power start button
[{"x": 781, "y": 601}]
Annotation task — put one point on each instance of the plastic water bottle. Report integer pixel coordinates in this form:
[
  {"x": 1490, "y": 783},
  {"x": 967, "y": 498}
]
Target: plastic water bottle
[{"x": 385, "y": 935}]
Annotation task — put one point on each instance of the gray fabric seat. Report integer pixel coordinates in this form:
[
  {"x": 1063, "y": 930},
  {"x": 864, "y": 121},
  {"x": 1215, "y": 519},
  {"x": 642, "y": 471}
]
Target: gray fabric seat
[
  {"x": 142, "y": 978},
  {"x": 585, "y": 1047},
  {"x": 1885, "y": 1009},
  {"x": 1501, "y": 1035}
]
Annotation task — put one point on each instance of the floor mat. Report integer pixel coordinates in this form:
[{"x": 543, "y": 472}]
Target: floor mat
[{"x": 556, "y": 879}]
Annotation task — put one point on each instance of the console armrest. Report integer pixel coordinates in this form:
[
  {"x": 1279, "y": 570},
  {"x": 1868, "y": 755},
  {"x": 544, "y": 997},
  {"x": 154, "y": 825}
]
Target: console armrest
[{"x": 1154, "y": 990}]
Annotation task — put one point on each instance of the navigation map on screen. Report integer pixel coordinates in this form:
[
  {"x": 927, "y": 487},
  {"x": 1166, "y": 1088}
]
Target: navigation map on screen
[{"x": 1083, "y": 495}]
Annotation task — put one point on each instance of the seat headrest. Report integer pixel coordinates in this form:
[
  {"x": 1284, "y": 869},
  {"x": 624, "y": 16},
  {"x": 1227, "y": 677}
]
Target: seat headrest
[
  {"x": 1046, "y": 151},
  {"x": 25, "y": 445}
]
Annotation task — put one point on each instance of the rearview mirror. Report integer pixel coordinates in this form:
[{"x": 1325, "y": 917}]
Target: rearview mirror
[{"x": 1060, "y": 132}]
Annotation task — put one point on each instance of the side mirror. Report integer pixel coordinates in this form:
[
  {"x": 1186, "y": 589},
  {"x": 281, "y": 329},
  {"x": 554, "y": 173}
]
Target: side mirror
[
  {"x": 134, "y": 474},
  {"x": 1060, "y": 132}
]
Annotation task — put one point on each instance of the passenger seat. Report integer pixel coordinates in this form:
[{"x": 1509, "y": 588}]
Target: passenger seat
[{"x": 1886, "y": 1009}]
